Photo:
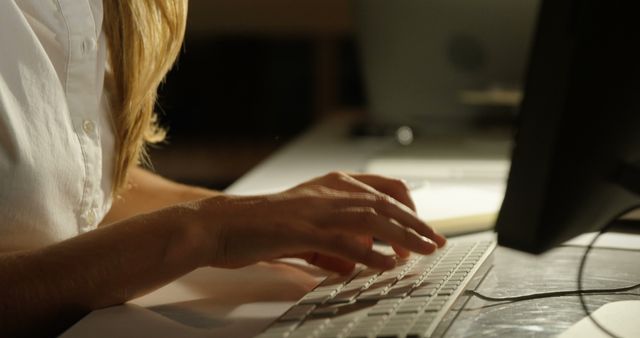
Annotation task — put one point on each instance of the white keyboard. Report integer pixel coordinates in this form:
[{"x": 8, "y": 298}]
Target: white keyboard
[{"x": 408, "y": 301}]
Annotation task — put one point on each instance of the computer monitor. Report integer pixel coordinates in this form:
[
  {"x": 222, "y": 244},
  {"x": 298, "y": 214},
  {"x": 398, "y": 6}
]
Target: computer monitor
[{"x": 576, "y": 159}]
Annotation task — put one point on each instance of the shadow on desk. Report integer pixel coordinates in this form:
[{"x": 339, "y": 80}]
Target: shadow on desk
[{"x": 206, "y": 303}]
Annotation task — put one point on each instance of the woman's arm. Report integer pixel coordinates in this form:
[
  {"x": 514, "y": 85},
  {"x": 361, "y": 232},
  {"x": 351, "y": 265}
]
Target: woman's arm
[
  {"x": 324, "y": 220},
  {"x": 147, "y": 192},
  {"x": 44, "y": 291}
]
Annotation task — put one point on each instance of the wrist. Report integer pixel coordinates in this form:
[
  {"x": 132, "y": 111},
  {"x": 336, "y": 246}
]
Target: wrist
[
  {"x": 193, "y": 193},
  {"x": 191, "y": 242}
]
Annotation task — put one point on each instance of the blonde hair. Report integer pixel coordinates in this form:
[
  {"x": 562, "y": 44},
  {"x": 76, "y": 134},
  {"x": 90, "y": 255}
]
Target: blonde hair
[{"x": 144, "y": 39}]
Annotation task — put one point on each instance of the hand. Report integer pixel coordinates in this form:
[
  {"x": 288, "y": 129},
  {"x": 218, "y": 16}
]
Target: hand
[{"x": 330, "y": 221}]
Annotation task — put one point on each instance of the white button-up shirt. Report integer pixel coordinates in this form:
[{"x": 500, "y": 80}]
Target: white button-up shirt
[{"x": 56, "y": 136}]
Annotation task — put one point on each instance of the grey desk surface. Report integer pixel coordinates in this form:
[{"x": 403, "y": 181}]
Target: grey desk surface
[{"x": 516, "y": 273}]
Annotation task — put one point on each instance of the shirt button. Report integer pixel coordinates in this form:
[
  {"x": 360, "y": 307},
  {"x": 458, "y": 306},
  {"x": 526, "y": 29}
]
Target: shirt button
[
  {"x": 88, "y": 126},
  {"x": 89, "y": 45},
  {"x": 91, "y": 217}
]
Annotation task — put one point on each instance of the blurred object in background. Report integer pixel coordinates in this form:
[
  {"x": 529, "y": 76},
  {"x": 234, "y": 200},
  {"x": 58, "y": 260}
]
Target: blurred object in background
[{"x": 441, "y": 65}]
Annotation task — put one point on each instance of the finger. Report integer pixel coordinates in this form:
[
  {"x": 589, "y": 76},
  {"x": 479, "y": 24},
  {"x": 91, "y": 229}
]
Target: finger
[
  {"x": 346, "y": 191},
  {"x": 370, "y": 183},
  {"x": 326, "y": 262},
  {"x": 345, "y": 247},
  {"x": 402, "y": 252},
  {"x": 392, "y": 187},
  {"x": 398, "y": 190},
  {"x": 366, "y": 240},
  {"x": 365, "y": 221},
  {"x": 390, "y": 208}
]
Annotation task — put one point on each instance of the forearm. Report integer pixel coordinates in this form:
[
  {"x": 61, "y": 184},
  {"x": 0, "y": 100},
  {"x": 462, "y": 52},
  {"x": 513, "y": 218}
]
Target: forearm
[
  {"x": 148, "y": 192},
  {"x": 48, "y": 289}
]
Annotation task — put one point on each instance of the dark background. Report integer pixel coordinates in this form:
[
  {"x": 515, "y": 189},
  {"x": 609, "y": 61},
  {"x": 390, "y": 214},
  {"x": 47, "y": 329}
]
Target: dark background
[{"x": 253, "y": 74}]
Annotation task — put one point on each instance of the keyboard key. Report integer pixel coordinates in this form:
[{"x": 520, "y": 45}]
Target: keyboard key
[
  {"x": 433, "y": 307},
  {"x": 279, "y": 329},
  {"x": 399, "y": 291},
  {"x": 271, "y": 335},
  {"x": 368, "y": 326},
  {"x": 424, "y": 291},
  {"x": 381, "y": 311},
  {"x": 384, "y": 307},
  {"x": 371, "y": 295},
  {"x": 335, "y": 280},
  {"x": 446, "y": 291},
  {"x": 298, "y": 312},
  {"x": 437, "y": 275},
  {"x": 328, "y": 311},
  {"x": 340, "y": 327},
  {"x": 360, "y": 334},
  {"x": 389, "y": 334},
  {"x": 317, "y": 297},
  {"x": 311, "y": 327},
  {"x": 346, "y": 295},
  {"x": 401, "y": 320},
  {"x": 408, "y": 309}
]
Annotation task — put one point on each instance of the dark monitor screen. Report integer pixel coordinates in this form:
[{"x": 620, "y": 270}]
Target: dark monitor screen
[{"x": 577, "y": 148}]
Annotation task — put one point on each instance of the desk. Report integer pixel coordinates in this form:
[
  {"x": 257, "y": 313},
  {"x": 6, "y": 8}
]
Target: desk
[{"x": 240, "y": 303}]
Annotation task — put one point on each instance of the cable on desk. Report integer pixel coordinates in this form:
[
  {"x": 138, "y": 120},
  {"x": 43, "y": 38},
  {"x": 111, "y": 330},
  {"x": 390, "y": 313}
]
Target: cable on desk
[
  {"x": 550, "y": 294},
  {"x": 583, "y": 263}
]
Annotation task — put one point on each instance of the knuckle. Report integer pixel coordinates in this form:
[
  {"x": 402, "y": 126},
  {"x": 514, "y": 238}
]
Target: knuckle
[
  {"x": 340, "y": 241},
  {"x": 363, "y": 200},
  {"x": 316, "y": 188},
  {"x": 407, "y": 234},
  {"x": 371, "y": 198},
  {"x": 315, "y": 192},
  {"x": 336, "y": 175},
  {"x": 371, "y": 212},
  {"x": 311, "y": 202},
  {"x": 399, "y": 185},
  {"x": 368, "y": 216},
  {"x": 322, "y": 191},
  {"x": 383, "y": 202}
]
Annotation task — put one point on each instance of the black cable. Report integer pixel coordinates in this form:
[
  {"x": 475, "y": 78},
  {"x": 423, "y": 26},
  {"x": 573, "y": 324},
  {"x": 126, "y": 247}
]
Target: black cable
[
  {"x": 550, "y": 294},
  {"x": 583, "y": 263}
]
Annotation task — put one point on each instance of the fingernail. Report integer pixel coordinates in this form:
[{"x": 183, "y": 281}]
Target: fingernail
[
  {"x": 390, "y": 262},
  {"x": 428, "y": 245}
]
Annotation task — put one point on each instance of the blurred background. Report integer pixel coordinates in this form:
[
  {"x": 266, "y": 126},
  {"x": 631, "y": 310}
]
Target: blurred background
[
  {"x": 253, "y": 75},
  {"x": 256, "y": 73}
]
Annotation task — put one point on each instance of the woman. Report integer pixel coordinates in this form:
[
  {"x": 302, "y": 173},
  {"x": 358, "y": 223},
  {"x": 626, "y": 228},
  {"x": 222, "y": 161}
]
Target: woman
[{"x": 83, "y": 227}]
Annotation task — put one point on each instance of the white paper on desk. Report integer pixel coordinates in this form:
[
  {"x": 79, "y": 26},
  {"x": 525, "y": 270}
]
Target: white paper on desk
[
  {"x": 441, "y": 168},
  {"x": 437, "y": 200}
]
